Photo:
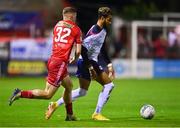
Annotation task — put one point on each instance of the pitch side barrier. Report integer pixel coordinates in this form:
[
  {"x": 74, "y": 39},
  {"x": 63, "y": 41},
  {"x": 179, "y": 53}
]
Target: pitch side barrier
[{"x": 147, "y": 68}]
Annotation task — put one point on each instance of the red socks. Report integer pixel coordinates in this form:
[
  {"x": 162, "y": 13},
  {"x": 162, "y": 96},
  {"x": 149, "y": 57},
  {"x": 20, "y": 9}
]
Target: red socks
[
  {"x": 26, "y": 94},
  {"x": 69, "y": 109}
]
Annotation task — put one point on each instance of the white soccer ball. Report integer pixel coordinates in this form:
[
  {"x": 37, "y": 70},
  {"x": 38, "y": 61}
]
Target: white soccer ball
[{"x": 147, "y": 111}]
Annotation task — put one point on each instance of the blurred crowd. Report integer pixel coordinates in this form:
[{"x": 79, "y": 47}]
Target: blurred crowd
[
  {"x": 155, "y": 46},
  {"x": 160, "y": 47}
]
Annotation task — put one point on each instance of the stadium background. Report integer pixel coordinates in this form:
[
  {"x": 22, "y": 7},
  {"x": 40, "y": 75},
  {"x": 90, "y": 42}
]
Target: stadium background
[{"x": 25, "y": 45}]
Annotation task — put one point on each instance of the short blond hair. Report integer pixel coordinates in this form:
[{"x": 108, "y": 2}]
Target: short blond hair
[{"x": 69, "y": 10}]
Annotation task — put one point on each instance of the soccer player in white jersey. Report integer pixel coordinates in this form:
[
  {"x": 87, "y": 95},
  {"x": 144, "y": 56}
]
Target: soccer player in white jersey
[{"x": 93, "y": 45}]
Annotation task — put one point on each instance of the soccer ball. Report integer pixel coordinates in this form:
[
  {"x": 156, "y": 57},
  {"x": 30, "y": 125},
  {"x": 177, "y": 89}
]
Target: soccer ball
[{"x": 147, "y": 111}]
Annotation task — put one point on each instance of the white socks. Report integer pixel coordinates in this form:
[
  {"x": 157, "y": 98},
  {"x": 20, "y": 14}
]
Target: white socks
[
  {"x": 102, "y": 99},
  {"x": 75, "y": 94},
  {"x": 104, "y": 96}
]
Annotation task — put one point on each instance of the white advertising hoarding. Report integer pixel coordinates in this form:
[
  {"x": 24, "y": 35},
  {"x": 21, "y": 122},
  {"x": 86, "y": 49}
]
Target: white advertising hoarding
[
  {"x": 123, "y": 68},
  {"x": 30, "y": 49}
]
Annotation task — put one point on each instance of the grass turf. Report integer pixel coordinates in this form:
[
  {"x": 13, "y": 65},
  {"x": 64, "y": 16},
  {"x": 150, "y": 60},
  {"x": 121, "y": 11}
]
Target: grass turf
[{"x": 122, "y": 108}]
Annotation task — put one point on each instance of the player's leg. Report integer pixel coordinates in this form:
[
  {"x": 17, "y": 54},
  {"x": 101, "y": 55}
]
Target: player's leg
[
  {"x": 79, "y": 92},
  {"x": 84, "y": 82},
  {"x": 82, "y": 90},
  {"x": 56, "y": 70},
  {"x": 107, "y": 84},
  {"x": 47, "y": 93},
  {"x": 67, "y": 84}
]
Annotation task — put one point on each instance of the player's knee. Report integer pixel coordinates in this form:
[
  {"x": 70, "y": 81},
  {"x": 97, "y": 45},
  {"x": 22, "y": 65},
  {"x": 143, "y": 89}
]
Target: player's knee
[
  {"x": 48, "y": 96},
  {"x": 82, "y": 92},
  {"x": 112, "y": 86},
  {"x": 109, "y": 86},
  {"x": 68, "y": 90}
]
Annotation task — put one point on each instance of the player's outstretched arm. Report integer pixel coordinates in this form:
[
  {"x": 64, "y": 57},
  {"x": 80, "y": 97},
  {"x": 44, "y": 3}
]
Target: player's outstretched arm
[{"x": 78, "y": 51}]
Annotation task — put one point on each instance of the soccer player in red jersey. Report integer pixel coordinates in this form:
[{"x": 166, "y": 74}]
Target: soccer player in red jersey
[
  {"x": 89, "y": 66},
  {"x": 65, "y": 33}
]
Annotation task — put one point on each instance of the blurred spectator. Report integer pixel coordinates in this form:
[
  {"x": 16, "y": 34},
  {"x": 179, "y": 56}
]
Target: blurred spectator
[
  {"x": 171, "y": 37},
  {"x": 177, "y": 41},
  {"x": 144, "y": 48},
  {"x": 160, "y": 47},
  {"x": 120, "y": 41},
  {"x": 177, "y": 31},
  {"x": 174, "y": 43},
  {"x": 117, "y": 43},
  {"x": 172, "y": 48},
  {"x": 175, "y": 49}
]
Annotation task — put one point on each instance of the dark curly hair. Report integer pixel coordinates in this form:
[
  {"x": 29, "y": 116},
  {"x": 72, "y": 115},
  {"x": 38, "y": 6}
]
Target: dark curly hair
[{"x": 104, "y": 11}]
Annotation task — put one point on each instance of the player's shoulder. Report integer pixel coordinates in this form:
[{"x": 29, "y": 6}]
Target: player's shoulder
[
  {"x": 69, "y": 24},
  {"x": 74, "y": 25},
  {"x": 78, "y": 28},
  {"x": 66, "y": 23},
  {"x": 96, "y": 29}
]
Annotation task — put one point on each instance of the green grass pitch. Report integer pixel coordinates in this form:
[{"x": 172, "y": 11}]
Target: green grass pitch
[{"x": 122, "y": 108}]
